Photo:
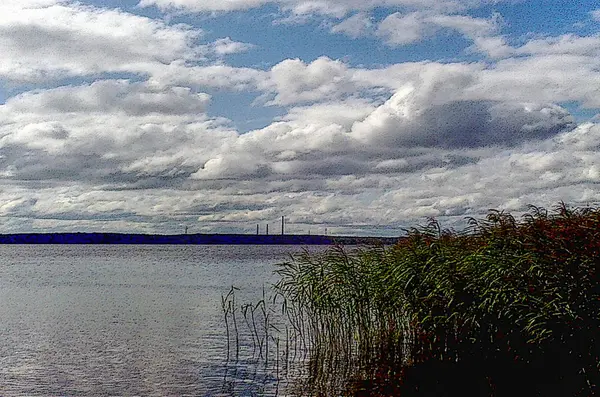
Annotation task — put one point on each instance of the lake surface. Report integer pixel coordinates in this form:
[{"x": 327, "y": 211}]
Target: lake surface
[{"x": 108, "y": 320}]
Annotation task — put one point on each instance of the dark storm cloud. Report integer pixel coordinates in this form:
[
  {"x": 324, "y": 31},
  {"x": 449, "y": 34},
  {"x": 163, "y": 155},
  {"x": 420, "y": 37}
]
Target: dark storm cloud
[{"x": 464, "y": 124}]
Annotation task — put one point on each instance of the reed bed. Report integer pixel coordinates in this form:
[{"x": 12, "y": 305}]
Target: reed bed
[{"x": 505, "y": 308}]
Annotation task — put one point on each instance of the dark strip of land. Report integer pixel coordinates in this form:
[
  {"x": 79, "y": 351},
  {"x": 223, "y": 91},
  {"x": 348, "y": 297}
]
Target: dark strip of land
[{"x": 224, "y": 239}]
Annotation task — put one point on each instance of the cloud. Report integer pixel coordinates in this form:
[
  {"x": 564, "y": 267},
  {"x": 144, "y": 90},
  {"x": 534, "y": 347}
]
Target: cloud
[
  {"x": 357, "y": 25},
  {"x": 111, "y": 96},
  {"x": 551, "y": 70},
  {"x": 225, "y": 166},
  {"x": 401, "y": 135},
  {"x": 47, "y": 40},
  {"x": 112, "y": 132},
  {"x": 226, "y": 46},
  {"x": 133, "y": 134},
  {"x": 562, "y": 167},
  {"x": 459, "y": 124},
  {"x": 296, "y": 81},
  {"x": 23, "y": 4},
  {"x": 43, "y": 41},
  {"x": 467, "y": 25},
  {"x": 493, "y": 46},
  {"x": 441, "y": 109},
  {"x": 343, "y": 113},
  {"x": 567, "y": 44},
  {"x": 359, "y": 149},
  {"x": 399, "y": 29},
  {"x": 211, "y": 76},
  {"x": 416, "y": 21},
  {"x": 545, "y": 78},
  {"x": 483, "y": 32},
  {"x": 204, "y": 5},
  {"x": 337, "y": 8}
]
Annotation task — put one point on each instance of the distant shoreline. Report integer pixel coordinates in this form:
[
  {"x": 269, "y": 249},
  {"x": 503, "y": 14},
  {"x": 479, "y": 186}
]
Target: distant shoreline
[{"x": 190, "y": 239}]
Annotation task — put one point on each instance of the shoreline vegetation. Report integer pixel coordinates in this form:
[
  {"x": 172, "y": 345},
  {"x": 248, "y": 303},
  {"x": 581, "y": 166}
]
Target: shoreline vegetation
[
  {"x": 504, "y": 308},
  {"x": 192, "y": 239}
]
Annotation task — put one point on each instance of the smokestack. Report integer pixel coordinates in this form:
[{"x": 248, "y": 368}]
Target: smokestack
[
  {"x": 257, "y": 229},
  {"x": 267, "y": 229},
  {"x": 282, "y": 224}
]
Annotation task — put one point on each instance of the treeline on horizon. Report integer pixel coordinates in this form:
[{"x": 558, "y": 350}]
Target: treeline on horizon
[
  {"x": 505, "y": 308},
  {"x": 207, "y": 239}
]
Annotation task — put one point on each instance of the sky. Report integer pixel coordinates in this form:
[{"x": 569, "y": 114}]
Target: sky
[{"x": 359, "y": 117}]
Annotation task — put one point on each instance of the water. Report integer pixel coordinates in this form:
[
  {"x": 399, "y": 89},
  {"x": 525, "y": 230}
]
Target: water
[{"x": 125, "y": 320}]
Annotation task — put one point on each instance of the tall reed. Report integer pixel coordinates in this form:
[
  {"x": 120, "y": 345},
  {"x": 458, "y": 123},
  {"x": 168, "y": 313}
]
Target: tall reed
[{"x": 505, "y": 308}]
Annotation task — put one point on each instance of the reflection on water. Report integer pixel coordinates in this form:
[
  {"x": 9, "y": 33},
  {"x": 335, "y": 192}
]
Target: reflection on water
[{"x": 129, "y": 320}]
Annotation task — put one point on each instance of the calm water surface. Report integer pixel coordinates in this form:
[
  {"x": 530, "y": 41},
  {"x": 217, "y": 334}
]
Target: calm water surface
[{"x": 124, "y": 320}]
